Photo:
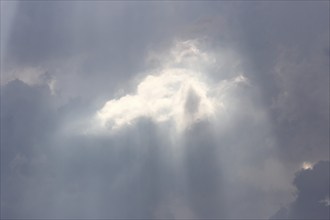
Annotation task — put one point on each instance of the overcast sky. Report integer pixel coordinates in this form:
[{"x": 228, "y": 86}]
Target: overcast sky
[{"x": 165, "y": 109}]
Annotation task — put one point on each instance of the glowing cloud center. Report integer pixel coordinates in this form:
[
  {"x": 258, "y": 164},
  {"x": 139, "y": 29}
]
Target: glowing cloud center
[
  {"x": 177, "y": 93},
  {"x": 174, "y": 95}
]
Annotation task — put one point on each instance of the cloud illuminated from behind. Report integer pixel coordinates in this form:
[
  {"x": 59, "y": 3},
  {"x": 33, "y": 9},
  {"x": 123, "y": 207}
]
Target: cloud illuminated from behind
[{"x": 177, "y": 92}]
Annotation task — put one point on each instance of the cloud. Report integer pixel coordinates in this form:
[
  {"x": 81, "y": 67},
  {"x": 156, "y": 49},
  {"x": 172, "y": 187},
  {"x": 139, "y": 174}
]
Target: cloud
[
  {"x": 189, "y": 111},
  {"x": 312, "y": 197},
  {"x": 173, "y": 94},
  {"x": 181, "y": 94},
  {"x": 109, "y": 174}
]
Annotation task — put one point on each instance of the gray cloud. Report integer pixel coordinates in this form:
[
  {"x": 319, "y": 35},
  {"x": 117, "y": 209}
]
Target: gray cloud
[
  {"x": 312, "y": 201},
  {"x": 286, "y": 56},
  {"x": 64, "y": 60}
]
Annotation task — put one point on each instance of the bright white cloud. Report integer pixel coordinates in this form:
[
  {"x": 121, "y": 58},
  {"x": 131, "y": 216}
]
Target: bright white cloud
[
  {"x": 178, "y": 94},
  {"x": 174, "y": 94}
]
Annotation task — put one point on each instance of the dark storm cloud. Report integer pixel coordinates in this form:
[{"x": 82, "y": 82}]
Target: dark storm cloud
[
  {"x": 230, "y": 170},
  {"x": 312, "y": 201}
]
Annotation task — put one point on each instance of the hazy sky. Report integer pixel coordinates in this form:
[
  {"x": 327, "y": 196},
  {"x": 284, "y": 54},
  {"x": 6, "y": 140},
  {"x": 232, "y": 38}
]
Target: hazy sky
[{"x": 165, "y": 109}]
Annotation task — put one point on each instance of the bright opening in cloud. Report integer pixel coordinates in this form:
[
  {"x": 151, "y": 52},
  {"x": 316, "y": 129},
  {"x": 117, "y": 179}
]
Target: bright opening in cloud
[{"x": 307, "y": 165}]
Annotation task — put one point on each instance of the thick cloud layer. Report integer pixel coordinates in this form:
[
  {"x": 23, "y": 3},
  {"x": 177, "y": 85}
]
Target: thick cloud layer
[
  {"x": 164, "y": 109},
  {"x": 312, "y": 201}
]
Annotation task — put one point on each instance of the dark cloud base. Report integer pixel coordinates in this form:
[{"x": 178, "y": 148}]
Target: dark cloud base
[{"x": 312, "y": 192}]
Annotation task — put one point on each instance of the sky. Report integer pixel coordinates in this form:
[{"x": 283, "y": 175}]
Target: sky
[{"x": 165, "y": 109}]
